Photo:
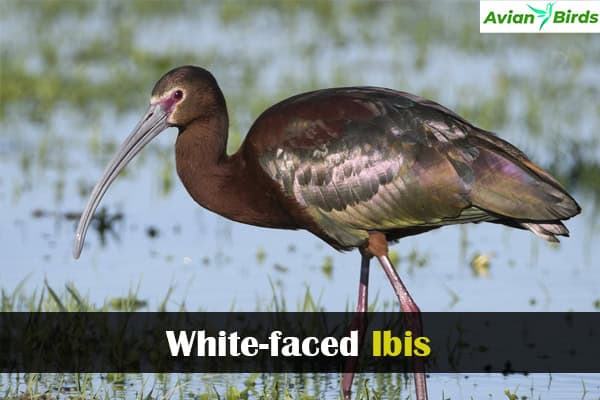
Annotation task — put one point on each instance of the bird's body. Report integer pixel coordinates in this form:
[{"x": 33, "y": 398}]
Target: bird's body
[
  {"x": 358, "y": 167},
  {"x": 347, "y": 161}
]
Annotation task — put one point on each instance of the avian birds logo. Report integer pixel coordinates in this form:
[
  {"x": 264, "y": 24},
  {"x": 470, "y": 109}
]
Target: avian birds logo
[{"x": 544, "y": 14}]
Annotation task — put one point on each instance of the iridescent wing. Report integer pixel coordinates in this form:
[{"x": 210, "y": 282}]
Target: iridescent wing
[{"x": 368, "y": 159}]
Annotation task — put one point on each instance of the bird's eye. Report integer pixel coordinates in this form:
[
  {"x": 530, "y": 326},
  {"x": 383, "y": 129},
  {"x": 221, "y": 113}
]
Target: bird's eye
[{"x": 178, "y": 94}]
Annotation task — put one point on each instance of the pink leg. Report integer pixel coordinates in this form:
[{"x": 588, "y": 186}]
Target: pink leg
[
  {"x": 412, "y": 319},
  {"x": 358, "y": 323}
]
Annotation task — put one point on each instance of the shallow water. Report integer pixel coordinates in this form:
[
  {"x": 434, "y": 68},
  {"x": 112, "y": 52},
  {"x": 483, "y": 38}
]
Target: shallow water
[{"x": 541, "y": 92}]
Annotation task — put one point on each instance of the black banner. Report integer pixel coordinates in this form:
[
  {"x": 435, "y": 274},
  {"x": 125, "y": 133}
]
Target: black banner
[{"x": 297, "y": 342}]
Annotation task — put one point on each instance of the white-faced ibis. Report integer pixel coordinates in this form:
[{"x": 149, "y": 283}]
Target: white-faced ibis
[{"x": 357, "y": 166}]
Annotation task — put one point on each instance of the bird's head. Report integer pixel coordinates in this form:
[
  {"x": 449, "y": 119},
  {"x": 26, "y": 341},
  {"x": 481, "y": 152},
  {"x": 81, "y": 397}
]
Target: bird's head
[
  {"x": 181, "y": 96},
  {"x": 185, "y": 94}
]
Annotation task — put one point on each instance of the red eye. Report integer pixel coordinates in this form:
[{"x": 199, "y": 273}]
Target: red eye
[{"x": 178, "y": 94}]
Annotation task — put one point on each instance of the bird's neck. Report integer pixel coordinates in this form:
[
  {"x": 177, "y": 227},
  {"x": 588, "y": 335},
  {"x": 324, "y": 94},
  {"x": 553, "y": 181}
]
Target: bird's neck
[{"x": 222, "y": 183}]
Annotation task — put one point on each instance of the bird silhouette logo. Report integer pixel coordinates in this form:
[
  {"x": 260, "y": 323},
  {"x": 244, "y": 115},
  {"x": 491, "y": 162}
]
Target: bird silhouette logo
[{"x": 544, "y": 14}]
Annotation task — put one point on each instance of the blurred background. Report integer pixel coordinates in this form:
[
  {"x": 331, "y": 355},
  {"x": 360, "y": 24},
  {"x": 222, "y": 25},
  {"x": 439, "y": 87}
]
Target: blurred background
[{"x": 75, "y": 77}]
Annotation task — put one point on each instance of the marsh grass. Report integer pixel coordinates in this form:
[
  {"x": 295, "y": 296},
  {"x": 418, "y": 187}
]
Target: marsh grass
[
  {"x": 188, "y": 386},
  {"x": 95, "y": 386}
]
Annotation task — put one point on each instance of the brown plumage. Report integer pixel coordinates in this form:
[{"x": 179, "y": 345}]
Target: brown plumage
[
  {"x": 369, "y": 159},
  {"x": 356, "y": 166}
]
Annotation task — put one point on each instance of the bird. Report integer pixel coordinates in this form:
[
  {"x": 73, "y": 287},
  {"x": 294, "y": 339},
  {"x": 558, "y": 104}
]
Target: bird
[
  {"x": 544, "y": 14},
  {"x": 359, "y": 167}
]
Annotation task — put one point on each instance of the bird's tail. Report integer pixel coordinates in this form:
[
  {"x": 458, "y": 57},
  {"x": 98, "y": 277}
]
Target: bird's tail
[
  {"x": 509, "y": 185},
  {"x": 547, "y": 231}
]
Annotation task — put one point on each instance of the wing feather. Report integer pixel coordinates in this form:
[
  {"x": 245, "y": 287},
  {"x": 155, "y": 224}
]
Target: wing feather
[{"x": 371, "y": 159}]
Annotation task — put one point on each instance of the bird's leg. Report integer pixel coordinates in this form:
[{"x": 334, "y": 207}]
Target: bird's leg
[
  {"x": 412, "y": 318},
  {"x": 412, "y": 315},
  {"x": 359, "y": 323}
]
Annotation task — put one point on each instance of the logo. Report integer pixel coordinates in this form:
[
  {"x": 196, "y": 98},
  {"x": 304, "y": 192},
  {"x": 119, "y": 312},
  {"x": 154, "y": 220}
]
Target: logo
[
  {"x": 544, "y": 14},
  {"x": 539, "y": 16}
]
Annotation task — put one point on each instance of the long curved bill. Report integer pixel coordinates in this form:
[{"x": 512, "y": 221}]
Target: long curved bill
[{"x": 153, "y": 122}]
